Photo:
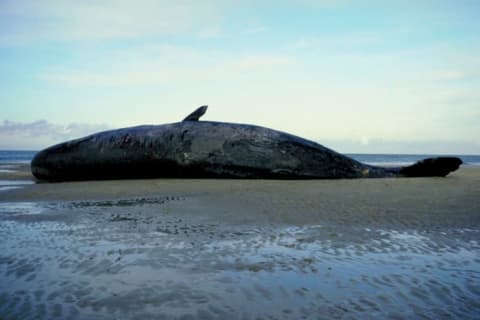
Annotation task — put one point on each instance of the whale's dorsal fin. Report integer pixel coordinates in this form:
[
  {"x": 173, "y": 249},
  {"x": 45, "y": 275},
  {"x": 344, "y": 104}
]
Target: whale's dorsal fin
[{"x": 195, "y": 115}]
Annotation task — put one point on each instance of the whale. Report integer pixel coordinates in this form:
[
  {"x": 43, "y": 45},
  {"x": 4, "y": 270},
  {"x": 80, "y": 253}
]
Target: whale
[{"x": 208, "y": 149}]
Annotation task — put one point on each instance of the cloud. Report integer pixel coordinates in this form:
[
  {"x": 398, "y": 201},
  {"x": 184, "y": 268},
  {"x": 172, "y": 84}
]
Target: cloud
[
  {"x": 40, "y": 133},
  {"x": 210, "y": 33},
  {"x": 255, "y": 29},
  {"x": 163, "y": 65},
  {"x": 28, "y": 21},
  {"x": 45, "y": 128},
  {"x": 345, "y": 40}
]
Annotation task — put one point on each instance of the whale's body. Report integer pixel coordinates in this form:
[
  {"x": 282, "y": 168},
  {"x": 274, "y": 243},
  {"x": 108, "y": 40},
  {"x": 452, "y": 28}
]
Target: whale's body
[{"x": 204, "y": 149}]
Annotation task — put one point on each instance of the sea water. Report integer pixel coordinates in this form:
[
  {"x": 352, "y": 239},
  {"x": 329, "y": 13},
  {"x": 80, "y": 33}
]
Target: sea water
[{"x": 16, "y": 156}]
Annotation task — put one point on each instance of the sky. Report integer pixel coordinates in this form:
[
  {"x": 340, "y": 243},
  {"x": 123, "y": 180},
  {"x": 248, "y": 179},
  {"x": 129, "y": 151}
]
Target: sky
[{"x": 356, "y": 76}]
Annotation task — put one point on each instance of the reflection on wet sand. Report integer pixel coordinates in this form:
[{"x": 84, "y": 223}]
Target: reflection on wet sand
[{"x": 141, "y": 258}]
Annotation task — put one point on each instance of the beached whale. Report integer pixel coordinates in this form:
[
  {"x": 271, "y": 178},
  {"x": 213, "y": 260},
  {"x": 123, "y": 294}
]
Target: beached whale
[{"x": 205, "y": 149}]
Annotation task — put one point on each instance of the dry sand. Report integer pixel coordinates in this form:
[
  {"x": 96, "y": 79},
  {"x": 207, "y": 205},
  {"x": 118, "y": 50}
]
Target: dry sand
[{"x": 240, "y": 249}]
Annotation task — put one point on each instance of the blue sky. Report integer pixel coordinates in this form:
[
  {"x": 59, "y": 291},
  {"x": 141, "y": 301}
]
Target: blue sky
[{"x": 357, "y": 76}]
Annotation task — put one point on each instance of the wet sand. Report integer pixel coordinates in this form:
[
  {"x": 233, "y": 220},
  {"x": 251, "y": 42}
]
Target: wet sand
[{"x": 240, "y": 249}]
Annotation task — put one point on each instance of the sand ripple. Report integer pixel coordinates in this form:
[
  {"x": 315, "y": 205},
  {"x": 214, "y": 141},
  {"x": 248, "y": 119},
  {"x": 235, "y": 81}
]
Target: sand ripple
[{"x": 151, "y": 258}]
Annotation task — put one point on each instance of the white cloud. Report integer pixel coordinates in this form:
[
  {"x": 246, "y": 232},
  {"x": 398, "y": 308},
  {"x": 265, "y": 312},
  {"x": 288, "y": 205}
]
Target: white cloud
[
  {"x": 41, "y": 133},
  {"x": 346, "y": 40},
  {"x": 255, "y": 29},
  {"x": 23, "y": 22},
  {"x": 31, "y": 20},
  {"x": 210, "y": 32},
  {"x": 167, "y": 64}
]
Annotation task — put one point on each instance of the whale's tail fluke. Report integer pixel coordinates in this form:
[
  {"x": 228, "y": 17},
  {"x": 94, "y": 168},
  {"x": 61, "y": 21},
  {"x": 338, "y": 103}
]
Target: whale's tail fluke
[{"x": 432, "y": 167}]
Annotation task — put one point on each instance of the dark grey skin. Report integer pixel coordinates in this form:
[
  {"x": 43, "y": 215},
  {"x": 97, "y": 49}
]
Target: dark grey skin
[{"x": 205, "y": 149}]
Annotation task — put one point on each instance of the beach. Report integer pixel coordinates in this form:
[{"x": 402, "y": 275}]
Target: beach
[{"x": 402, "y": 248}]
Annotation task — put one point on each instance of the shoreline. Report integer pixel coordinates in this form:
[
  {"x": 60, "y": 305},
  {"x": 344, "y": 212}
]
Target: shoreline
[
  {"x": 400, "y": 202},
  {"x": 366, "y": 200}
]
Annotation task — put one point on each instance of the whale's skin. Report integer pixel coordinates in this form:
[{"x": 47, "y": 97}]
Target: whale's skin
[
  {"x": 206, "y": 149},
  {"x": 196, "y": 149}
]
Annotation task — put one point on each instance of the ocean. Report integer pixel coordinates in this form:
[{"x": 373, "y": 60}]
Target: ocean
[{"x": 14, "y": 156}]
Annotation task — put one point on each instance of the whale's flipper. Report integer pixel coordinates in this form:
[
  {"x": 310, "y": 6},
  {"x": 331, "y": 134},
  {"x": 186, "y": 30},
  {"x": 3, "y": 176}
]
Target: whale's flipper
[
  {"x": 432, "y": 167},
  {"x": 195, "y": 115}
]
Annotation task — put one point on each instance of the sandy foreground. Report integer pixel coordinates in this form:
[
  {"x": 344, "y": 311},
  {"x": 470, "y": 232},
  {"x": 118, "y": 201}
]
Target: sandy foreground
[{"x": 240, "y": 249}]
